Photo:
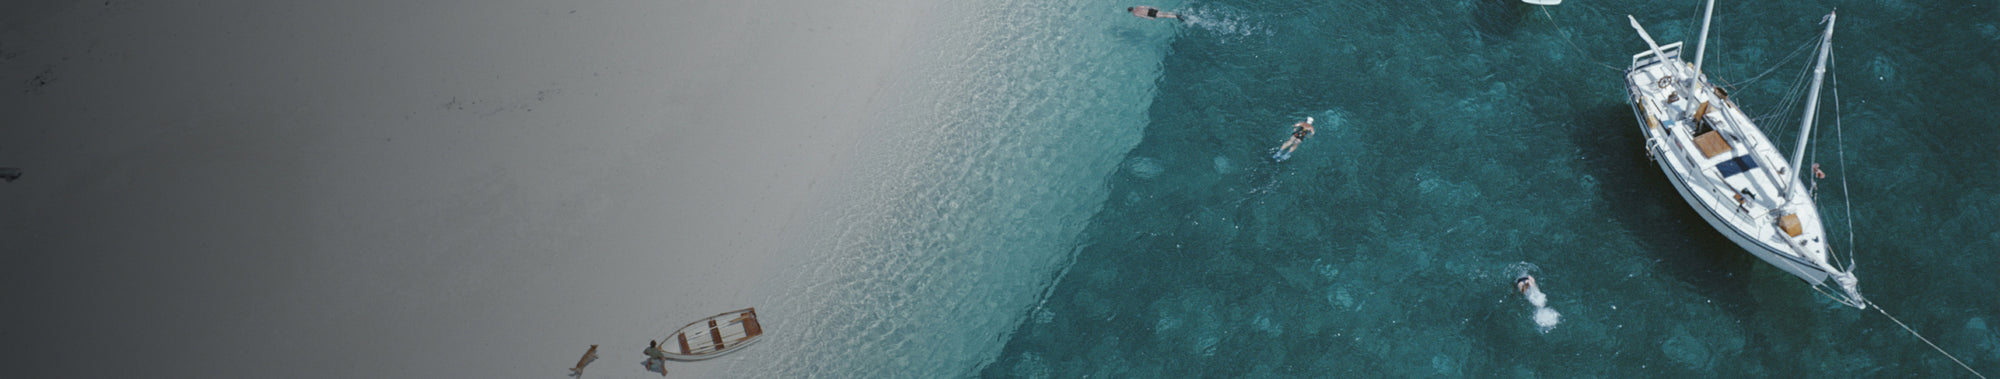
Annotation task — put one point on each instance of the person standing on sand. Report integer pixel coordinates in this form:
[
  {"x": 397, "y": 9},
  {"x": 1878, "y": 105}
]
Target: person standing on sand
[
  {"x": 1151, "y": 13},
  {"x": 1300, "y": 131},
  {"x": 656, "y": 357}
]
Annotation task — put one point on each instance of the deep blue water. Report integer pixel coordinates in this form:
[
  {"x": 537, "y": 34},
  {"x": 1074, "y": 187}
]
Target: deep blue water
[{"x": 1458, "y": 140}]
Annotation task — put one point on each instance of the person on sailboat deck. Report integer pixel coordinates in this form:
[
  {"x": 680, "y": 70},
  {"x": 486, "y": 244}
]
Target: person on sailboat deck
[
  {"x": 1151, "y": 12},
  {"x": 1300, "y": 131}
]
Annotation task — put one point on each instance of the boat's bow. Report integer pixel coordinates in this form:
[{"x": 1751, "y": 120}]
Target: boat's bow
[{"x": 1848, "y": 293}]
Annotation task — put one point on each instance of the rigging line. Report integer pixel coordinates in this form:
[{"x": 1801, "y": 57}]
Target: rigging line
[
  {"x": 1788, "y": 102},
  {"x": 1793, "y": 97},
  {"x": 1786, "y": 106},
  {"x": 1927, "y": 341},
  {"x": 1781, "y": 62},
  {"x": 1840, "y": 147},
  {"x": 1572, "y": 44},
  {"x": 1846, "y": 197},
  {"x": 1815, "y": 286},
  {"x": 1693, "y": 23}
]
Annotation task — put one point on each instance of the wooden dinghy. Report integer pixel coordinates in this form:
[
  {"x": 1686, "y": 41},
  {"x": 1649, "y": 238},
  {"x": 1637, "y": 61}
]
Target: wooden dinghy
[{"x": 714, "y": 336}]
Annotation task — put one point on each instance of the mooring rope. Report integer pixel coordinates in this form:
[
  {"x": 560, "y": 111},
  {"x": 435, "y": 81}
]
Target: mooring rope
[{"x": 1927, "y": 341}]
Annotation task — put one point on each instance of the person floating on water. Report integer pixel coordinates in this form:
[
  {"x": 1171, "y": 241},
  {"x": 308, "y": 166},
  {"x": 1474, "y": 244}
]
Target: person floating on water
[
  {"x": 1300, "y": 131},
  {"x": 1151, "y": 13},
  {"x": 656, "y": 358},
  {"x": 9, "y": 174}
]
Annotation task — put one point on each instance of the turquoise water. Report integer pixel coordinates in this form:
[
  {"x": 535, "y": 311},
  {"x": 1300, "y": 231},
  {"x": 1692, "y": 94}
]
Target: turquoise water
[{"x": 1460, "y": 142}]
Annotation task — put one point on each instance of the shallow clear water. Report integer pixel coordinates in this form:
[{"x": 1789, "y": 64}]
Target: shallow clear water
[
  {"x": 1458, "y": 140},
  {"x": 991, "y": 158}
]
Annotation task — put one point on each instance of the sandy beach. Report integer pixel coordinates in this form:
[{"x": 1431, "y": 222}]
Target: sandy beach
[{"x": 393, "y": 189}]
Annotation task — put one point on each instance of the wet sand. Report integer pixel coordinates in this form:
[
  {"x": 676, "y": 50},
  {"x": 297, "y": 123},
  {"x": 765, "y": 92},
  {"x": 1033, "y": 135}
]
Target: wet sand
[{"x": 384, "y": 189}]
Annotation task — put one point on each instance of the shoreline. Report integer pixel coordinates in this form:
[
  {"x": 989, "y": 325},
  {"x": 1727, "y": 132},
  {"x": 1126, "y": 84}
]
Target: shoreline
[{"x": 994, "y": 149}]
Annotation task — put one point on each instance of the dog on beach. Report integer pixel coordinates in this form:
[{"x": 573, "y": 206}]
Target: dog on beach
[{"x": 588, "y": 356}]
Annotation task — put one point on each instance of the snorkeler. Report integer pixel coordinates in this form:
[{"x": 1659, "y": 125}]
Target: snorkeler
[
  {"x": 1300, "y": 132},
  {"x": 9, "y": 174},
  {"x": 1151, "y": 12}
]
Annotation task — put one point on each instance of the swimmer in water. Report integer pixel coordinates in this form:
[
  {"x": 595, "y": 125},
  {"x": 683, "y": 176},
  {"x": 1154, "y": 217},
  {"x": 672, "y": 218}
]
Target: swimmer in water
[
  {"x": 1526, "y": 283},
  {"x": 1300, "y": 131},
  {"x": 1545, "y": 318},
  {"x": 1151, "y": 13}
]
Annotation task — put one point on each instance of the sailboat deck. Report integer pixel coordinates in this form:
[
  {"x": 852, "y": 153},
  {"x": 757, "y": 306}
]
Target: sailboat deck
[{"x": 1724, "y": 160}]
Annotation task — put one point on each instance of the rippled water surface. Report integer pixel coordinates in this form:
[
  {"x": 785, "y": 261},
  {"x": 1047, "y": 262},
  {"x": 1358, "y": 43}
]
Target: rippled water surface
[{"x": 1459, "y": 140}]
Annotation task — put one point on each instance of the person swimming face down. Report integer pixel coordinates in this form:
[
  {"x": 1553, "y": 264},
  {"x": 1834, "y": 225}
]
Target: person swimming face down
[{"x": 1151, "y": 12}]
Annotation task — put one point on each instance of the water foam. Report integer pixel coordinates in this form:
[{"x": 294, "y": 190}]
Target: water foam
[{"x": 1224, "y": 22}]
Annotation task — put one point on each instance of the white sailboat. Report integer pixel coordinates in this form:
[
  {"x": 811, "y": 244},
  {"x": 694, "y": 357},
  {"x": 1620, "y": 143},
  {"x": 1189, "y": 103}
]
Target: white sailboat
[{"x": 1727, "y": 169}]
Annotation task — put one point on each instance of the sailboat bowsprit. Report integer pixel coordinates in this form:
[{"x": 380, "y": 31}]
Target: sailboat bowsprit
[{"x": 1728, "y": 170}]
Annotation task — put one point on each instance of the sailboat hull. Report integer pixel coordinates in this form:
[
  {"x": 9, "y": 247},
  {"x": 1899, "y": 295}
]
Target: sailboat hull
[{"x": 1783, "y": 261}]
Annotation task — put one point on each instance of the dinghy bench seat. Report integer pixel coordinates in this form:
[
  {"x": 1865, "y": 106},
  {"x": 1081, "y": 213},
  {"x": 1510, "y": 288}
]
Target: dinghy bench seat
[{"x": 750, "y": 326}]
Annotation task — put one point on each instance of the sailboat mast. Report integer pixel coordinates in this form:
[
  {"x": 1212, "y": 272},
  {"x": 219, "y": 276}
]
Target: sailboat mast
[
  {"x": 1812, "y": 102},
  {"x": 1701, "y": 45}
]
